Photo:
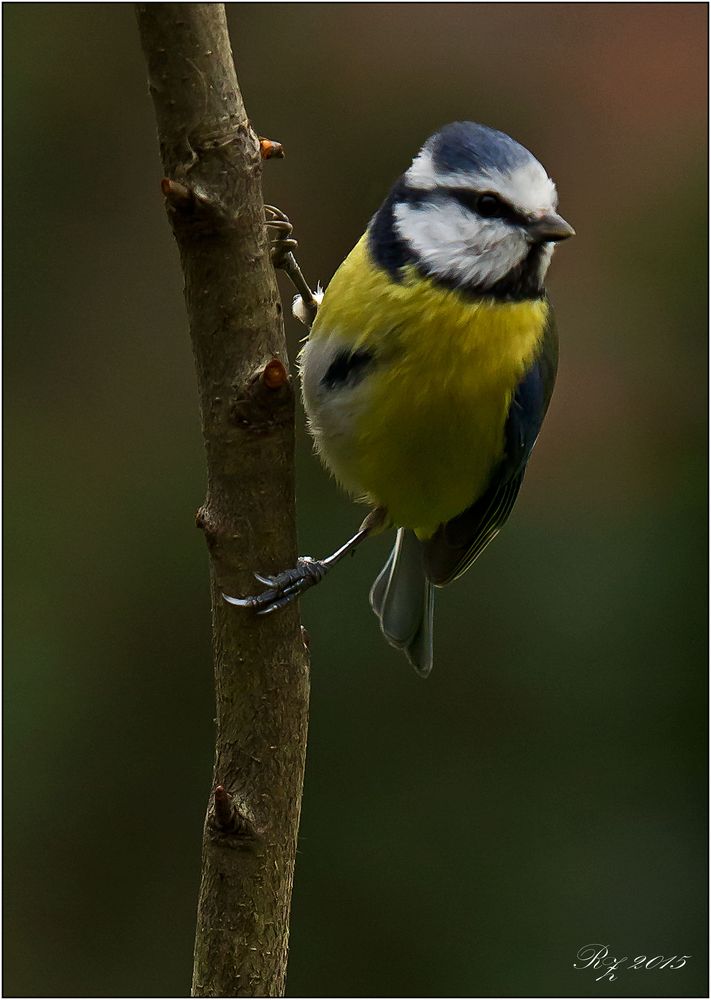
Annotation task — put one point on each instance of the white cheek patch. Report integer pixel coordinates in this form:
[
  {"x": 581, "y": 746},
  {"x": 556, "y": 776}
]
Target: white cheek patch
[{"x": 452, "y": 243}]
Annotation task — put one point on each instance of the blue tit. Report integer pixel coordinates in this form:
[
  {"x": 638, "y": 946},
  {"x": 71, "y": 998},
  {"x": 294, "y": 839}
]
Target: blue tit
[{"x": 429, "y": 368}]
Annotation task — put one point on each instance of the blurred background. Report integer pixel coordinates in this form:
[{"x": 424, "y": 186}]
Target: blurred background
[{"x": 546, "y": 787}]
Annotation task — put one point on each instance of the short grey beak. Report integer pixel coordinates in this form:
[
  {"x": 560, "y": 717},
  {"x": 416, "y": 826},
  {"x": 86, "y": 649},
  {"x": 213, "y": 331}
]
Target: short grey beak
[{"x": 550, "y": 228}]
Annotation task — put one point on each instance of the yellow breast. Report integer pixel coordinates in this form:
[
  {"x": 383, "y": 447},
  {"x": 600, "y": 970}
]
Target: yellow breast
[{"x": 429, "y": 429}]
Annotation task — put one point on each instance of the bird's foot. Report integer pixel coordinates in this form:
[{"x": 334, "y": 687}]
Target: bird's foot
[
  {"x": 284, "y": 242},
  {"x": 282, "y": 249},
  {"x": 283, "y": 588}
]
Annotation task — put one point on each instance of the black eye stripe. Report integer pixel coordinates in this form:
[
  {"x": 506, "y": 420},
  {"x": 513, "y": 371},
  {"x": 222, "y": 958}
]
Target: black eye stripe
[
  {"x": 466, "y": 197},
  {"x": 470, "y": 201}
]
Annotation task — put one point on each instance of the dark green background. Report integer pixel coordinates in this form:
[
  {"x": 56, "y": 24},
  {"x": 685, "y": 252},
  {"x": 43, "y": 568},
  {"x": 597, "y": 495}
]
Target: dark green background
[{"x": 546, "y": 788}]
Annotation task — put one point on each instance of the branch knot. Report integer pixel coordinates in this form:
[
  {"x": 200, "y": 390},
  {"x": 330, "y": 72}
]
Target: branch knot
[
  {"x": 266, "y": 402},
  {"x": 229, "y": 820}
]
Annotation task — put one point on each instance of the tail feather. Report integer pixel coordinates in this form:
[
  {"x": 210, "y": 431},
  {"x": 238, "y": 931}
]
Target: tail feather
[
  {"x": 420, "y": 651},
  {"x": 377, "y": 591},
  {"x": 403, "y": 600}
]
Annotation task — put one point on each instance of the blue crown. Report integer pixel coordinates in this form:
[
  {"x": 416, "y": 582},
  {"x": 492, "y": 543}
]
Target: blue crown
[{"x": 467, "y": 146}]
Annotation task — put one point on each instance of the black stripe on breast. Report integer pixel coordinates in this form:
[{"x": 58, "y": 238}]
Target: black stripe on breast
[{"x": 347, "y": 369}]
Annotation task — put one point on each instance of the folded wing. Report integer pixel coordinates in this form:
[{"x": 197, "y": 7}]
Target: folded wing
[{"x": 459, "y": 542}]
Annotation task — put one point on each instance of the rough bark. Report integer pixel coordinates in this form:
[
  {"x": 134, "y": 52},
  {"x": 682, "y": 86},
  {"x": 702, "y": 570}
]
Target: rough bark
[{"x": 212, "y": 164}]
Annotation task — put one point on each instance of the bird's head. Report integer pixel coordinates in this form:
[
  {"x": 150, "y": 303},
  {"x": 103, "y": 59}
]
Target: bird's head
[{"x": 476, "y": 211}]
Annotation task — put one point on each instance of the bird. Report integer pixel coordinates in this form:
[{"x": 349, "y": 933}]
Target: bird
[{"x": 429, "y": 367}]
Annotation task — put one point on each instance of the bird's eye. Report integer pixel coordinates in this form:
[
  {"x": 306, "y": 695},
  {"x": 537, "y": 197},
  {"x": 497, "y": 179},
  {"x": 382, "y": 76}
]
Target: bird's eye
[{"x": 489, "y": 206}]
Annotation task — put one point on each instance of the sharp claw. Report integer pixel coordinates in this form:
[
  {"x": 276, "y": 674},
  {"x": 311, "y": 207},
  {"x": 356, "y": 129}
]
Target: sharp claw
[
  {"x": 275, "y": 606},
  {"x": 240, "y": 602},
  {"x": 283, "y": 588}
]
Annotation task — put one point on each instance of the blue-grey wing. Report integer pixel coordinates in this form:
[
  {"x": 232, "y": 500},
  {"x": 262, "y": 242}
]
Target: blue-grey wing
[{"x": 456, "y": 544}]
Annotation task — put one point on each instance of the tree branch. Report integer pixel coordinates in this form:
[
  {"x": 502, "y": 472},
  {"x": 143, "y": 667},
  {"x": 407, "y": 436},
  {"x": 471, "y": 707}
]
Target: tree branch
[{"x": 212, "y": 163}]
